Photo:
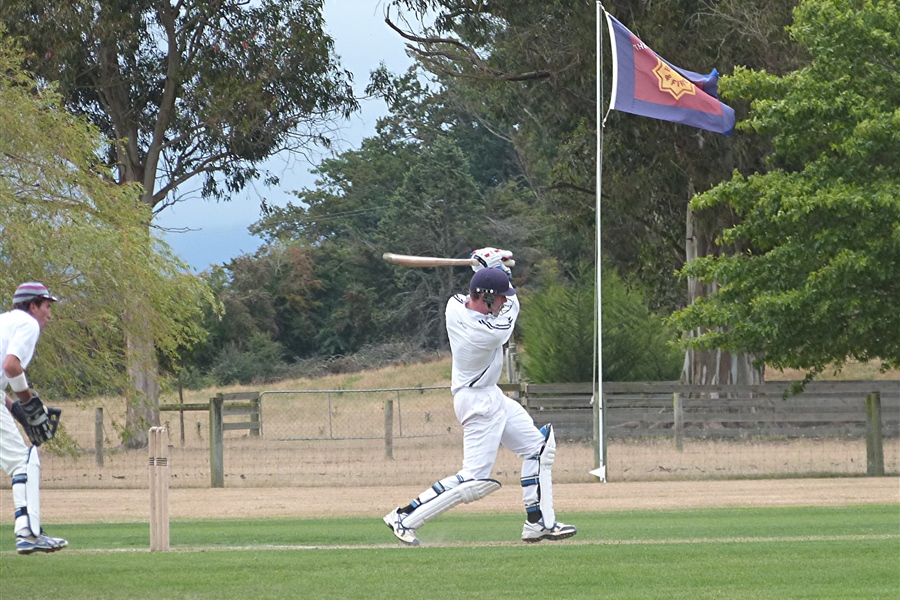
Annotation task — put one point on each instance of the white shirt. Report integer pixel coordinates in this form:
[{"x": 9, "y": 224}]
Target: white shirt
[
  {"x": 19, "y": 333},
  {"x": 476, "y": 342}
]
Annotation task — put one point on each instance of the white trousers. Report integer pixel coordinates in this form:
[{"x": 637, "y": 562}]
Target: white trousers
[
  {"x": 14, "y": 461},
  {"x": 13, "y": 451},
  {"x": 491, "y": 419}
]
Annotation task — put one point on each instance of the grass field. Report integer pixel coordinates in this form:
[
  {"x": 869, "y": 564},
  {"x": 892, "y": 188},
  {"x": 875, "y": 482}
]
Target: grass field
[{"x": 823, "y": 552}]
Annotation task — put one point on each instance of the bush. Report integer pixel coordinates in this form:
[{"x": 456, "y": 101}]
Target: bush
[
  {"x": 558, "y": 332},
  {"x": 261, "y": 360},
  {"x": 194, "y": 379}
]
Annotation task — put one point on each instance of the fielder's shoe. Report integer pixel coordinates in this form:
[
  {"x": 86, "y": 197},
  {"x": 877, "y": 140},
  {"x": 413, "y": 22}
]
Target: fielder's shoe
[
  {"x": 26, "y": 544},
  {"x": 535, "y": 532},
  {"x": 394, "y": 521}
]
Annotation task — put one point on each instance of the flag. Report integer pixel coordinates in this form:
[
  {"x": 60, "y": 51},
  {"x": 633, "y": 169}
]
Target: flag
[{"x": 647, "y": 85}]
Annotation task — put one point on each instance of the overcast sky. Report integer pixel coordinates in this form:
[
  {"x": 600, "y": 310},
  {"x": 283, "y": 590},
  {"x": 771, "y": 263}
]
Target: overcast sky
[{"x": 219, "y": 230}]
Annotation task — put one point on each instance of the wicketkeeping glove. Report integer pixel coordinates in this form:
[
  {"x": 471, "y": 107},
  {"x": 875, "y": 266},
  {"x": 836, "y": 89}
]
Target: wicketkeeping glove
[
  {"x": 38, "y": 421},
  {"x": 493, "y": 258}
]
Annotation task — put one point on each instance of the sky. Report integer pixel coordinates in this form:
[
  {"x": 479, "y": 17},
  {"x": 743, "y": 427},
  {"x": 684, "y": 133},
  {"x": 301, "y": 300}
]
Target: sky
[{"x": 218, "y": 231}]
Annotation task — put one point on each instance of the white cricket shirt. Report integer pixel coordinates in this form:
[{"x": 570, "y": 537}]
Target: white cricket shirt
[
  {"x": 19, "y": 333},
  {"x": 476, "y": 342}
]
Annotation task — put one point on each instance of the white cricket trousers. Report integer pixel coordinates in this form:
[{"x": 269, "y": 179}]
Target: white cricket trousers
[
  {"x": 491, "y": 419},
  {"x": 14, "y": 457},
  {"x": 13, "y": 451}
]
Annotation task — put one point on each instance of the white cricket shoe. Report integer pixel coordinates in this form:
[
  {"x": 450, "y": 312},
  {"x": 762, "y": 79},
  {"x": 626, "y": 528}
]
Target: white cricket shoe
[
  {"x": 394, "y": 521},
  {"x": 535, "y": 532},
  {"x": 26, "y": 544}
]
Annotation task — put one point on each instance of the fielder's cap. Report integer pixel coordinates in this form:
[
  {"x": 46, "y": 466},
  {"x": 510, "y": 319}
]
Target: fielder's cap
[
  {"x": 31, "y": 290},
  {"x": 493, "y": 281}
]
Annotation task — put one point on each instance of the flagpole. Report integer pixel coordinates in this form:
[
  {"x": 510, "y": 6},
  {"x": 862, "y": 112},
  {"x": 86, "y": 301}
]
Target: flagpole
[{"x": 598, "y": 401}]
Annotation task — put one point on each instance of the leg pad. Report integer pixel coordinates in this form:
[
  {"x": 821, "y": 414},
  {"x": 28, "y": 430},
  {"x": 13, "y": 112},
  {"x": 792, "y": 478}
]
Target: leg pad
[{"x": 465, "y": 492}]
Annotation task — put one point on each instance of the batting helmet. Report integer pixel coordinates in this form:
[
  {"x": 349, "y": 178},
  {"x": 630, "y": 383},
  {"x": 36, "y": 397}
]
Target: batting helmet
[{"x": 491, "y": 281}]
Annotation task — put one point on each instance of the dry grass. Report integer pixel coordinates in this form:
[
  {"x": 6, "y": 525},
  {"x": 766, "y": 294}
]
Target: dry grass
[
  {"x": 437, "y": 373},
  {"x": 424, "y": 374},
  {"x": 852, "y": 371},
  {"x": 253, "y": 462}
]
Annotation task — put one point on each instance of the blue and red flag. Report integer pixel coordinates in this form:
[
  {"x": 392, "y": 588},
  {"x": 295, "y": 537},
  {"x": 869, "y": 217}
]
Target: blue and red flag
[{"x": 645, "y": 84}]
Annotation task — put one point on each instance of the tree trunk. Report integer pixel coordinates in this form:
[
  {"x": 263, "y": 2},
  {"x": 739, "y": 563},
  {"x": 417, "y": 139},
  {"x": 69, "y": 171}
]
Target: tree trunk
[
  {"x": 142, "y": 399},
  {"x": 711, "y": 367}
]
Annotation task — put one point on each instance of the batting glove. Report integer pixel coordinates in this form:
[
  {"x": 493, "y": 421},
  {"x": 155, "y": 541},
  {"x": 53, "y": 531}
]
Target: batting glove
[{"x": 492, "y": 258}]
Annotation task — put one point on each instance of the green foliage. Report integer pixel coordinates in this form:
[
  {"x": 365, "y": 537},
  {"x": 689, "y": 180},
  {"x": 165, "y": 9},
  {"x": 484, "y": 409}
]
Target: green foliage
[
  {"x": 62, "y": 223},
  {"x": 192, "y": 378},
  {"x": 258, "y": 361},
  {"x": 638, "y": 345},
  {"x": 558, "y": 332},
  {"x": 557, "y": 324},
  {"x": 818, "y": 281},
  {"x": 270, "y": 294}
]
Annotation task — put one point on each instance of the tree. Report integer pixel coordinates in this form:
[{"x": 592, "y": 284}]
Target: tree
[
  {"x": 187, "y": 91},
  {"x": 336, "y": 223},
  {"x": 818, "y": 280},
  {"x": 62, "y": 223},
  {"x": 270, "y": 294},
  {"x": 436, "y": 212},
  {"x": 524, "y": 72}
]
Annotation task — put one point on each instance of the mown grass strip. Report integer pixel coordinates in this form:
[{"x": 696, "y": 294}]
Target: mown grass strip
[{"x": 724, "y": 553}]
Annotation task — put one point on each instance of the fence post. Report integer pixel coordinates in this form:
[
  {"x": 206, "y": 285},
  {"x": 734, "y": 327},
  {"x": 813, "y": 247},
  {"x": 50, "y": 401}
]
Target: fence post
[
  {"x": 389, "y": 429},
  {"x": 874, "y": 445},
  {"x": 399, "y": 416},
  {"x": 330, "y": 425},
  {"x": 98, "y": 435},
  {"x": 216, "y": 450},
  {"x": 678, "y": 425},
  {"x": 181, "y": 402},
  {"x": 256, "y": 415}
]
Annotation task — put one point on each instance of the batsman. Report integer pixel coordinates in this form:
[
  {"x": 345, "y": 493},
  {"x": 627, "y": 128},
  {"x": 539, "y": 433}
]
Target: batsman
[
  {"x": 478, "y": 325},
  {"x": 20, "y": 329}
]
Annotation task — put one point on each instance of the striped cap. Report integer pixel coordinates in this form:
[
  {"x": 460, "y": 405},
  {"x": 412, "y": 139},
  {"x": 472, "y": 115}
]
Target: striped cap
[{"x": 31, "y": 290}]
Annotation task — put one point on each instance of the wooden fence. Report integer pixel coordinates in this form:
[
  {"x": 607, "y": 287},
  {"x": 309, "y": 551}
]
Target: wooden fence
[
  {"x": 861, "y": 409},
  {"x": 245, "y": 406},
  {"x": 666, "y": 408}
]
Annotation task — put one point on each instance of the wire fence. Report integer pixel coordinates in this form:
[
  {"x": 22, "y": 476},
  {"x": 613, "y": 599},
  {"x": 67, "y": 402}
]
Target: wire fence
[{"x": 410, "y": 436}]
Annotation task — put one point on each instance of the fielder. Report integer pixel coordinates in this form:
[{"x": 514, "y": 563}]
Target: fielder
[
  {"x": 478, "y": 326},
  {"x": 19, "y": 332}
]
